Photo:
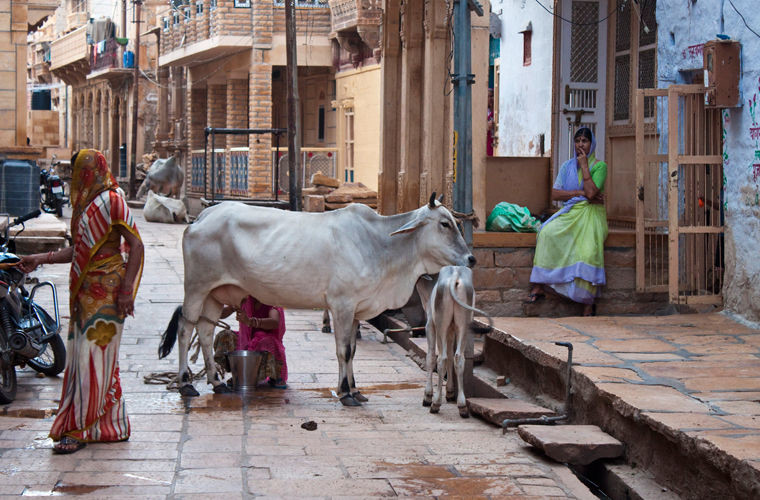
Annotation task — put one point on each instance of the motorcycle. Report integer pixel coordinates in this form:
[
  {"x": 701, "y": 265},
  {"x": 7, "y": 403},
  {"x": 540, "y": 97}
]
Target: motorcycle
[
  {"x": 28, "y": 334},
  {"x": 51, "y": 192}
]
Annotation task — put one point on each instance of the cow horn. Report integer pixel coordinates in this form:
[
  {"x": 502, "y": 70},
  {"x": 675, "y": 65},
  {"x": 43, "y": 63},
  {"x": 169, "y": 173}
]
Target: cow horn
[
  {"x": 440, "y": 199},
  {"x": 431, "y": 203}
]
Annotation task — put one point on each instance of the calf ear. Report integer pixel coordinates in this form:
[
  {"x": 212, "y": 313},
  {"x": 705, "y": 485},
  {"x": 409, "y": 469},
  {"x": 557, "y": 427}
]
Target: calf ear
[{"x": 409, "y": 226}]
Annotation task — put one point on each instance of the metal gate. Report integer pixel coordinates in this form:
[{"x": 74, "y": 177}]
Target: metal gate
[{"x": 679, "y": 199}]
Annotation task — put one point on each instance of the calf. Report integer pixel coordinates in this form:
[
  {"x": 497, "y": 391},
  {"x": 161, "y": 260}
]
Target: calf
[{"x": 449, "y": 316}]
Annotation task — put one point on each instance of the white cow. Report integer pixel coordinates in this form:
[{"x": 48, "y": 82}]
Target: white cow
[
  {"x": 164, "y": 176},
  {"x": 449, "y": 304},
  {"x": 352, "y": 261}
]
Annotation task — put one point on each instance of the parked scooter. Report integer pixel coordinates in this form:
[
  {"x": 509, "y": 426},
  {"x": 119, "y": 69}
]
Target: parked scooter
[
  {"x": 28, "y": 334},
  {"x": 51, "y": 192}
]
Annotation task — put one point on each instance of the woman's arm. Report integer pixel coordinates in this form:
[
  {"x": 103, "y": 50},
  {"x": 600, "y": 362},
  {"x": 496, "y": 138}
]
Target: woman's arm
[
  {"x": 589, "y": 188},
  {"x": 269, "y": 323},
  {"x": 562, "y": 195},
  {"x": 29, "y": 263},
  {"x": 125, "y": 300}
]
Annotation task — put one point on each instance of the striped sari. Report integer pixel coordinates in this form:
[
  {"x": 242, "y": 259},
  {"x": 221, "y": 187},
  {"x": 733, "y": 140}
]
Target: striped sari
[{"x": 92, "y": 404}]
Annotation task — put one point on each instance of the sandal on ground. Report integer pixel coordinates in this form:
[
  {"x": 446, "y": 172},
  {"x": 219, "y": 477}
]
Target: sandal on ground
[
  {"x": 68, "y": 445},
  {"x": 534, "y": 297}
]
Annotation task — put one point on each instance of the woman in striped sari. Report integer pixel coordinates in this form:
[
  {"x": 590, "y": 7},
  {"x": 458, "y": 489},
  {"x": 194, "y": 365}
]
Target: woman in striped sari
[
  {"x": 570, "y": 245},
  {"x": 102, "y": 291}
]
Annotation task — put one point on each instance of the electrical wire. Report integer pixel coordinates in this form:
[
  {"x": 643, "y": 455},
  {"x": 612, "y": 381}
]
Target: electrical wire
[
  {"x": 743, "y": 20},
  {"x": 617, "y": 4}
]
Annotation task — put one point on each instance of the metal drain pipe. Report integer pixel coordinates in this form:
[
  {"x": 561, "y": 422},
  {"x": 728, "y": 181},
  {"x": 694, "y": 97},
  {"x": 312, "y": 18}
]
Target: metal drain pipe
[
  {"x": 544, "y": 419},
  {"x": 401, "y": 330}
]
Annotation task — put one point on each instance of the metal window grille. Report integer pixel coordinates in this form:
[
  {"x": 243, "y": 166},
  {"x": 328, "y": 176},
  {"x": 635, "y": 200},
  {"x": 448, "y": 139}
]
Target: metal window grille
[
  {"x": 220, "y": 168},
  {"x": 648, "y": 24},
  {"x": 621, "y": 109},
  {"x": 239, "y": 172},
  {"x": 196, "y": 171},
  {"x": 623, "y": 28},
  {"x": 584, "y": 42}
]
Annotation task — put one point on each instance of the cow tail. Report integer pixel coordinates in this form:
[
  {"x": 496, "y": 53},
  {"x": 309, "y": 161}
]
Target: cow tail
[
  {"x": 169, "y": 337},
  {"x": 473, "y": 326}
]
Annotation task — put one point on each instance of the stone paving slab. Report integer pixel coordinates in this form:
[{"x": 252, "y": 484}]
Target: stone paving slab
[
  {"x": 574, "y": 444},
  {"x": 694, "y": 378},
  {"x": 228, "y": 446}
]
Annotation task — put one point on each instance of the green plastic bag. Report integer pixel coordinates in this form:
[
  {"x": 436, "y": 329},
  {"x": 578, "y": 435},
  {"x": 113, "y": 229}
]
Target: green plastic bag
[{"x": 509, "y": 217}]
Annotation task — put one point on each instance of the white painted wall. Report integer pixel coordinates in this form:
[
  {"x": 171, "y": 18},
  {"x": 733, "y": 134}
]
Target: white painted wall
[
  {"x": 683, "y": 24},
  {"x": 525, "y": 91}
]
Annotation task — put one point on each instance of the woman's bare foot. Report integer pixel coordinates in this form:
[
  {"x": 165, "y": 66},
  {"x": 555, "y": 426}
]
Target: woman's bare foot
[{"x": 536, "y": 294}]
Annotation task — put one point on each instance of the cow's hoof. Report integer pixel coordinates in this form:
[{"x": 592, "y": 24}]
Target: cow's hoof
[
  {"x": 348, "y": 400},
  {"x": 464, "y": 412},
  {"x": 326, "y": 329},
  {"x": 427, "y": 402},
  {"x": 222, "y": 389},
  {"x": 188, "y": 391},
  {"x": 360, "y": 397},
  {"x": 434, "y": 408}
]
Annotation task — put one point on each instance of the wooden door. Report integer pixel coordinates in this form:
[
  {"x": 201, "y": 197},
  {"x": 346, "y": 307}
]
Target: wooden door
[{"x": 679, "y": 198}]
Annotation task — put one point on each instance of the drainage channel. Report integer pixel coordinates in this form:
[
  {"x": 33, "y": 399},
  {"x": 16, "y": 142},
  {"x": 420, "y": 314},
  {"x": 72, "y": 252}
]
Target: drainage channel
[{"x": 622, "y": 479}]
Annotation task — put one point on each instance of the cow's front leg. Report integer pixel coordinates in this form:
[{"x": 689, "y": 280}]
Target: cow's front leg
[
  {"x": 451, "y": 388},
  {"x": 427, "y": 399},
  {"x": 184, "y": 379},
  {"x": 350, "y": 364},
  {"x": 343, "y": 322}
]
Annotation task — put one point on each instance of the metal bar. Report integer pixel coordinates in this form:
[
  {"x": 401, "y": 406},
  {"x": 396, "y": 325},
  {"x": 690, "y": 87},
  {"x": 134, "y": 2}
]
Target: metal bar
[
  {"x": 213, "y": 166},
  {"x": 205, "y": 163}
]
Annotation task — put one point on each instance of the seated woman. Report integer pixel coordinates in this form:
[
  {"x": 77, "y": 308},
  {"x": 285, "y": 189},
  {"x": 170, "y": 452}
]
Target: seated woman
[
  {"x": 570, "y": 245},
  {"x": 261, "y": 329}
]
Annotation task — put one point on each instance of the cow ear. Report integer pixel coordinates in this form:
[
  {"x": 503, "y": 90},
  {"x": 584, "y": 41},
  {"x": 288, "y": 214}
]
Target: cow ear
[
  {"x": 409, "y": 227},
  {"x": 431, "y": 203}
]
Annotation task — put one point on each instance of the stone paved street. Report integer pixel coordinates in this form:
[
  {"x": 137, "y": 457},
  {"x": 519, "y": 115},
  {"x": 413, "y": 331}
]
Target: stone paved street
[{"x": 225, "y": 446}]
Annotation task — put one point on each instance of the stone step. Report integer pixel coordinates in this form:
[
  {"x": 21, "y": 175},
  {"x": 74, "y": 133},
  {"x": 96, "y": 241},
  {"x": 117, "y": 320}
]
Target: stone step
[
  {"x": 573, "y": 444},
  {"x": 495, "y": 410}
]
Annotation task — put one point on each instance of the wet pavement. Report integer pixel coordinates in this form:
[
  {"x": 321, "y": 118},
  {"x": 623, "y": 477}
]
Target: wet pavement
[{"x": 228, "y": 446}]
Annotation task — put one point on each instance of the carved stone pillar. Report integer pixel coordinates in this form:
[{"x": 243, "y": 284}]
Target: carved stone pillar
[
  {"x": 390, "y": 111},
  {"x": 412, "y": 65},
  {"x": 436, "y": 114}
]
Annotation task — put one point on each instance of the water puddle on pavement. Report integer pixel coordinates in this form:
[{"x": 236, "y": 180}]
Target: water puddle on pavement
[
  {"x": 29, "y": 412},
  {"x": 62, "y": 489},
  {"x": 328, "y": 392}
]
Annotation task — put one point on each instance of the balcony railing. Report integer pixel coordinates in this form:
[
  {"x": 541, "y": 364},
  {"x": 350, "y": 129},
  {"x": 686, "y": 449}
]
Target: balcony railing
[
  {"x": 69, "y": 49},
  {"x": 348, "y": 14},
  {"x": 313, "y": 160},
  {"x": 233, "y": 181},
  {"x": 104, "y": 55},
  {"x": 304, "y": 3}
]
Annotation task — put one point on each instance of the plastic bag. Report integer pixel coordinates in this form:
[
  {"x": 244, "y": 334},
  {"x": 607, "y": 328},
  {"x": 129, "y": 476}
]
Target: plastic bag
[{"x": 509, "y": 217}]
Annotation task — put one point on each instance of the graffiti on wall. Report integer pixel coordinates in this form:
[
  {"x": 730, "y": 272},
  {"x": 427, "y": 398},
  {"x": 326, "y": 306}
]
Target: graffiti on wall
[{"x": 751, "y": 194}]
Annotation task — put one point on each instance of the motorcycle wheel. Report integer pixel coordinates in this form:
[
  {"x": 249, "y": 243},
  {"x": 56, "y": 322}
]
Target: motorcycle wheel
[
  {"x": 7, "y": 381},
  {"x": 52, "y": 359}
]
